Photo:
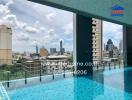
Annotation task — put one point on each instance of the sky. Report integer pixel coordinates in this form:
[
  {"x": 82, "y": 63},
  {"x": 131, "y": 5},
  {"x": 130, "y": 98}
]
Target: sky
[
  {"x": 112, "y": 31},
  {"x": 35, "y": 24}
]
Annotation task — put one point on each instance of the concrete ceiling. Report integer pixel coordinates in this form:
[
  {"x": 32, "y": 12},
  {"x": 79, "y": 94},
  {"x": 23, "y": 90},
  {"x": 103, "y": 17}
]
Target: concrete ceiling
[{"x": 100, "y": 9}]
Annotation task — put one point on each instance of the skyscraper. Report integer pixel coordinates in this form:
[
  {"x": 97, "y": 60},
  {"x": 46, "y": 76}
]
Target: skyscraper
[
  {"x": 104, "y": 47},
  {"x": 5, "y": 45},
  {"x": 61, "y": 48},
  {"x": 110, "y": 45},
  {"x": 37, "y": 49},
  {"x": 121, "y": 46},
  {"x": 97, "y": 40},
  {"x": 110, "y": 48}
]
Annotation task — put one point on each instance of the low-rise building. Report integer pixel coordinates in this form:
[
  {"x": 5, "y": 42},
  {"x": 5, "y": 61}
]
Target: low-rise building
[
  {"x": 56, "y": 63},
  {"x": 16, "y": 57},
  {"x": 33, "y": 67}
]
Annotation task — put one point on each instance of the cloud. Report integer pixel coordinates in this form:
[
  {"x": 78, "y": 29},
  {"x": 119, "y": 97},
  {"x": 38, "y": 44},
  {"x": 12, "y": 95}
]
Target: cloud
[
  {"x": 50, "y": 16},
  {"x": 8, "y": 18},
  {"x": 49, "y": 24},
  {"x": 51, "y": 32},
  {"x": 50, "y": 37},
  {"x": 4, "y": 9},
  {"x": 39, "y": 26},
  {"x": 46, "y": 24},
  {"x": 30, "y": 29},
  {"x": 35, "y": 28},
  {"x": 112, "y": 31},
  {"x": 23, "y": 37},
  {"x": 10, "y": 2},
  {"x": 68, "y": 29}
]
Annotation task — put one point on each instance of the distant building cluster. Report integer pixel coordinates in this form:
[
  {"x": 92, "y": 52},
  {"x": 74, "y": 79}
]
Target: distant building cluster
[
  {"x": 53, "y": 51},
  {"x": 42, "y": 58},
  {"x": 112, "y": 52}
]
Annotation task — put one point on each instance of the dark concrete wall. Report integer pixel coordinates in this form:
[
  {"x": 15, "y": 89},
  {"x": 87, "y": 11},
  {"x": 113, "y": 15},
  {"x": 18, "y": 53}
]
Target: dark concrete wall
[
  {"x": 128, "y": 44},
  {"x": 84, "y": 42}
]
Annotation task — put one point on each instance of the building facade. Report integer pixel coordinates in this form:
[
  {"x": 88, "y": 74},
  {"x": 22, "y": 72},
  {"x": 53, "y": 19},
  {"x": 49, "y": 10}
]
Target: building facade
[
  {"x": 43, "y": 52},
  {"x": 121, "y": 46},
  {"x": 110, "y": 45},
  {"x": 53, "y": 51},
  {"x": 5, "y": 45},
  {"x": 56, "y": 63},
  {"x": 97, "y": 40},
  {"x": 33, "y": 67},
  {"x": 61, "y": 48}
]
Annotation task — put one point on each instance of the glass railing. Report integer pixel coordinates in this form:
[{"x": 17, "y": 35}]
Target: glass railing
[
  {"x": 108, "y": 65},
  {"x": 38, "y": 74}
]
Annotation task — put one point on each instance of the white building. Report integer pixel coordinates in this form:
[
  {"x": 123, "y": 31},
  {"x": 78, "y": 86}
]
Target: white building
[{"x": 56, "y": 63}]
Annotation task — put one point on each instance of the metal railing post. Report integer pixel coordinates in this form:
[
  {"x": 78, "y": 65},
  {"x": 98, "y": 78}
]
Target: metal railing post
[
  {"x": 97, "y": 67},
  {"x": 119, "y": 64},
  {"x": 73, "y": 71},
  {"x": 64, "y": 73},
  {"x": 25, "y": 77},
  {"x": 8, "y": 79},
  {"x": 53, "y": 77},
  {"x": 40, "y": 74},
  {"x": 103, "y": 66},
  {"x": 114, "y": 65},
  {"x": 109, "y": 67}
]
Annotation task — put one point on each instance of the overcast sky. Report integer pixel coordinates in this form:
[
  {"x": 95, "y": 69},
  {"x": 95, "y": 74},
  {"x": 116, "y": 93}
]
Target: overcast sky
[{"x": 33, "y": 24}]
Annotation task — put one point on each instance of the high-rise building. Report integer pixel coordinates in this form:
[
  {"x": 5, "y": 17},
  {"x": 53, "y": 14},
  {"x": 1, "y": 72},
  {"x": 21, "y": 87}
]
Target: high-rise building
[
  {"x": 104, "y": 47},
  {"x": 52, "y": 51},
  {"x": 37, "y": 49},
  {"x": 110, "y": 45},
  {"x": 111, "y": 48},
  {"x": 61, "y": 48},
  {"x": 5, "y": 45},
  {"x": 121, "y": 46},
  {"x": 97, "y": 40},
  {"x": 115, "y": 52},
  {"x": 43, "y": 52},
  {"x": 121, "y": 49}
]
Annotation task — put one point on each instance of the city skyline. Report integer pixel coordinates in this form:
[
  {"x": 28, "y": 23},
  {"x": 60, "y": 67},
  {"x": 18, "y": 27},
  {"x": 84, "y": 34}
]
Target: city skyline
[{"x": 31, "y": 27}]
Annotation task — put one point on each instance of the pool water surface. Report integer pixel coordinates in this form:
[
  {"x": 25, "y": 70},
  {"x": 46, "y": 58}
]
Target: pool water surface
[{"x": 99, "y": 86}]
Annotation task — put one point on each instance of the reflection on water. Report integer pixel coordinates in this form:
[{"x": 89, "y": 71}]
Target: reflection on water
[
  {"x": 88, "y": 89},
  {"x": 100, "y": 86},
  {"x": 115, "y": 85}
]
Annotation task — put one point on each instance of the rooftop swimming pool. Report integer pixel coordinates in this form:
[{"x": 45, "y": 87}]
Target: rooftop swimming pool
[{"x": 107, "y": 85}]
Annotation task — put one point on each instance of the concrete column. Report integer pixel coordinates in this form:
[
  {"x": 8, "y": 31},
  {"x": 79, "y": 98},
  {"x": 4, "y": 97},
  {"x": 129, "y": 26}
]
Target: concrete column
[
  {"x": 127, "y": 40},
  {"x": 83, "y": 43}
]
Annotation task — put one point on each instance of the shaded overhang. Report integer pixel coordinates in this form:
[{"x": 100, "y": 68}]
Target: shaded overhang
[{"x": 100, "y": 9}]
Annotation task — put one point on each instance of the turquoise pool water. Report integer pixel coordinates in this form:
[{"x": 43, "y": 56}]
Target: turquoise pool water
[{"x": 115, "y": 86}]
